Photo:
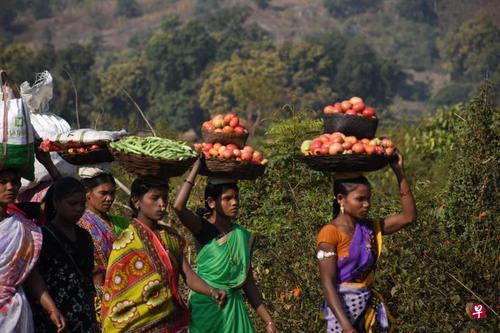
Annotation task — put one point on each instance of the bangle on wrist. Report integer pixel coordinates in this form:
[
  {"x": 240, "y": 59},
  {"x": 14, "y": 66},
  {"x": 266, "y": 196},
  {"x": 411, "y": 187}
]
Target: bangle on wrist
[
  {"x": 405, "y": 193},
  {"x": 189, "y": 182},
  {"x": 50, "y": 311}
]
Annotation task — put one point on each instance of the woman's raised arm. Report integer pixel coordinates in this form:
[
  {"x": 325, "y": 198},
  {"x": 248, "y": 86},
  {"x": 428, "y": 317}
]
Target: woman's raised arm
[
  {"x": 189, "y": 219},
  {"x": 408, "y": 214}
]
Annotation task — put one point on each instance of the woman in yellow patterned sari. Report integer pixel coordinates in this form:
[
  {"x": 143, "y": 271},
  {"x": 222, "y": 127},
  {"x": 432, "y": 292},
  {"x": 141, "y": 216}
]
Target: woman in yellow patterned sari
[{"x": 140, "y": 291}]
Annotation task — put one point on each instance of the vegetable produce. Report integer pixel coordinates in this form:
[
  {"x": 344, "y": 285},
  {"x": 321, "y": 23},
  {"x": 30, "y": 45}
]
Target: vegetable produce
[
  {"x": 338, "y": 143},
  {"x": 354, "y": 107},
  {"x": 231, "y": 151},
  {"x": 155, "y": 147}
]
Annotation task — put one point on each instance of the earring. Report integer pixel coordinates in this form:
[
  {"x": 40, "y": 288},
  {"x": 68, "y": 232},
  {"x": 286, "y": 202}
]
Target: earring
[{"x": 342, "y": 209}]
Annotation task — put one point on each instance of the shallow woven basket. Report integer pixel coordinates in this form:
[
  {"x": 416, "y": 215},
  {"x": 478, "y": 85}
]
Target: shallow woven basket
[
  {"x": 141, "y": 165},
  {"x": 360, "y": 127},
  {"x": 347, "y": 162},
  {"x": 100, "y": 155},
  {"x": 225, "y": 138},
  {"x": 231, "y": 169}
]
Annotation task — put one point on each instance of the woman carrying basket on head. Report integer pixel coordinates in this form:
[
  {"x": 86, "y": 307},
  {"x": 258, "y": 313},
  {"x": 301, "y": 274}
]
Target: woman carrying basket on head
[
  {"x": 140, "y": 292},
  {"x": 224, "y": 259},
  {"x": 102, "y": 227},
  {"x": 348, "y": 248}
]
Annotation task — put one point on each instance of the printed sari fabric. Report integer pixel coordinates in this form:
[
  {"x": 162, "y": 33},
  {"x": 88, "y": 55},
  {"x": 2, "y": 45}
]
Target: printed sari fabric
[
  {"x": 140, "y": 291},
  {"x": 20, "y": 246},
  {"x": 103, "y": 235},
  {"x": 66, "y": 267},
  {"x": 355, "y": 273},
  {"x": 223, "y": 263}
]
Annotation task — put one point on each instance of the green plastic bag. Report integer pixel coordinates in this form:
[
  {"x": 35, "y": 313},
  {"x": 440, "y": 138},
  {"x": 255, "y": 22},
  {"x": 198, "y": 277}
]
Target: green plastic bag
[{"x": 17, "y": 148}]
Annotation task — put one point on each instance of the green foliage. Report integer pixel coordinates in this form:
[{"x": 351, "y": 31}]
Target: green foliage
[
  {"x": 452, "y": 93},
  {"x": 119, "y": 78},
  {"x": 417, "y": 10},
  {"x": 362, "y": 73},
  {"x": 249, "y": 83},
  {"x": 339, "y": 8},
  {"x": 473, "y": 51},
  {"x": 283, "y": 208},
  {"x": 262, "y": 3},
  {"x": 128, "y": 8},
  {"x": 228, "y": 27},
  {"x": 178, "y": 55},
  {"x": 19, "y": 61},
  {"x": 419, "y": 265}
]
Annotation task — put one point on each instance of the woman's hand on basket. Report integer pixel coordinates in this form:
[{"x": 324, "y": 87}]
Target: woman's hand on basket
[{"x": 397, "y": 164}]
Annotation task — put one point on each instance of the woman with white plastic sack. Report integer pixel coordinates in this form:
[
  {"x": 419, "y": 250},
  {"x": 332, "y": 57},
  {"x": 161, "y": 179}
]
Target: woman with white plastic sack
[{"x": 102, "y": 227}]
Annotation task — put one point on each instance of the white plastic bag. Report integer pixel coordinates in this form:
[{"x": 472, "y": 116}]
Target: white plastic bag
[
  {"x": 86, "y": 136},
  {"x": 37, "y": 97},
  {"x": 46, "y": 125}
]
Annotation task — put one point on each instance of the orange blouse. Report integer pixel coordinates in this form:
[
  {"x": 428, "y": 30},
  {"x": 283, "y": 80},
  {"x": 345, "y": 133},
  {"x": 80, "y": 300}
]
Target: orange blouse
[{"x": 332, "y": 235}]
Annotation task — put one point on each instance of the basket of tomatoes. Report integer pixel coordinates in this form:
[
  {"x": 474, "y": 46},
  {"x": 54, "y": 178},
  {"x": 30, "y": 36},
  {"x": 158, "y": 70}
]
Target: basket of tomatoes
[
  {"x": 228, "y": 161},
  {"x": 337, "y": 152},
  {"x": 351, "y": 117},
  {"x": 225, "y": 129},
  {"x": 89, "y": 154}
]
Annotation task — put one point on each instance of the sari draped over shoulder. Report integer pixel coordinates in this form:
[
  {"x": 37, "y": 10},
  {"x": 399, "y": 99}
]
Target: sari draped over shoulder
[
  {"x": 20, "y": 245},
  {"x": 356, "y": 273},
  {"x": 223, "y": 263},
  {"x": 103, "y": 235},
  {"x": 140, "y": 290}
]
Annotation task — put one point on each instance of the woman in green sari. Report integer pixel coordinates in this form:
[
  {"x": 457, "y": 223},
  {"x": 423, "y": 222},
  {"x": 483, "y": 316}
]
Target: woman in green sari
[{"x": 224, "y": 259}]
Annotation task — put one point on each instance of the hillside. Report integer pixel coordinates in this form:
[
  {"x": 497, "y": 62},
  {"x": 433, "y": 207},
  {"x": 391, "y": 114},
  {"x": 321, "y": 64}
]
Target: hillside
[{"x": 405, "y": 36}]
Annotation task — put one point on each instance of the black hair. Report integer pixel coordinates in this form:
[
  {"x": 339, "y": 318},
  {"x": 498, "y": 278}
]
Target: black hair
[
  {"x": 141, "y": 186},
  {"x": 215, "y": 191},
  {"x": 103, "y": 178},
  {"x": 60, "y": 190},
  {"x": 15, "y": 172},
  {"x": 344, "y": 187}
]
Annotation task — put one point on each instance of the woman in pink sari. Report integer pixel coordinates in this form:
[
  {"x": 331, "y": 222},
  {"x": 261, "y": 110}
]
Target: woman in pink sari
[{"x": 20, "y": 246}]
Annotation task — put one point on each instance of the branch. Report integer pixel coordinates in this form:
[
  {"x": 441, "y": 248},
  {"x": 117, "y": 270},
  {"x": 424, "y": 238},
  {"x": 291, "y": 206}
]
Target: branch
[
  {"x": 76, "y": 98},
  {"x": 140, "y": 111}
]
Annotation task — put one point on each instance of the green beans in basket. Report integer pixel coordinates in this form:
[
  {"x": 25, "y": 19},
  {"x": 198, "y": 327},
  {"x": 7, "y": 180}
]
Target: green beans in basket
[{"x": 155, "y": 147}]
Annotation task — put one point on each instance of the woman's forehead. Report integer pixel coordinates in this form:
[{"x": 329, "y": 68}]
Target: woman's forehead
[{"x": 9, "y": 174}]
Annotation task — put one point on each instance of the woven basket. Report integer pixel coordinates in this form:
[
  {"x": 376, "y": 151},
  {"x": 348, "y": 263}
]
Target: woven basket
[
  {"x": 231, "y": 169},
  {"x": 225, "y": 138},
  {"x": 141, "y": 165},
  {"x": 360, "y": 127},
  {"x": 347, "y": 162},
  {"x": 100, "y": 155}
]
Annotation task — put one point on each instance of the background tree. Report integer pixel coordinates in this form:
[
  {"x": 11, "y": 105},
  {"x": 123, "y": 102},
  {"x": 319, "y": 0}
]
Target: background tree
[
  {"x": 362, "y": 73},
  {"x": 473, "y": 51},
  {"x": 128, "y": 8},
  {"x": 418, "y": 10},
  {"x": 251, "y": 84}
]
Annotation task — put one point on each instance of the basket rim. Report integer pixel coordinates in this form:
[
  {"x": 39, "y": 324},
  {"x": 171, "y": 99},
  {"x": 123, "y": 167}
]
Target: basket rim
[
  {"x": 373, "y": 162},
  {"x": 122, "y": 153}
]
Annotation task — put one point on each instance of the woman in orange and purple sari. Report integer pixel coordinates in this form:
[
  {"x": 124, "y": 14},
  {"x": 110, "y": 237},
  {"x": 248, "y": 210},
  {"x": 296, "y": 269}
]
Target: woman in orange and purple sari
[
  {"x": 348, "y": 249},
  {"x": 140, "y": 291}
]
